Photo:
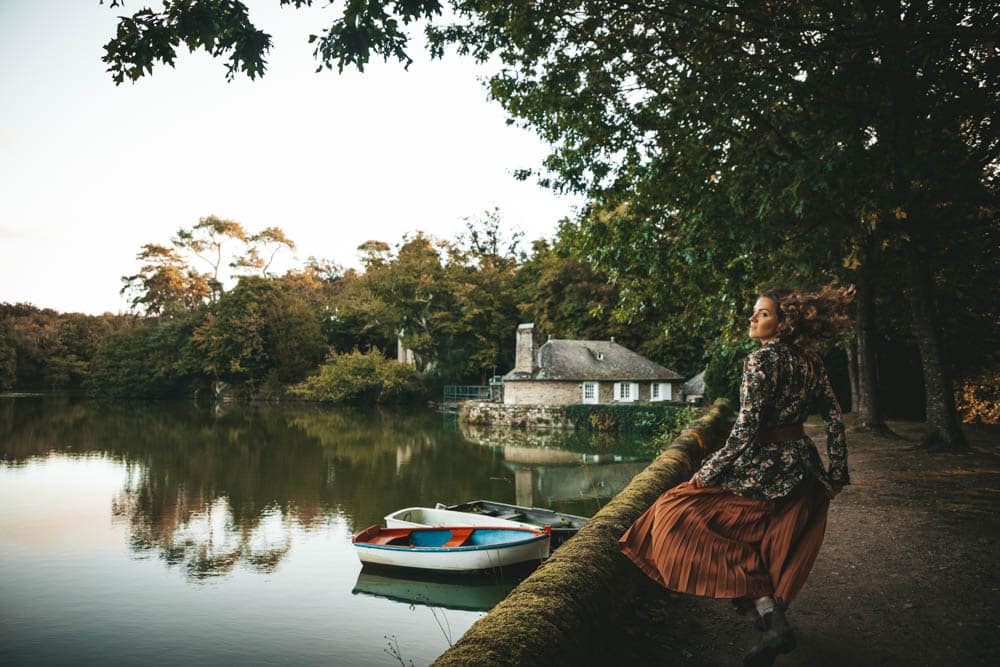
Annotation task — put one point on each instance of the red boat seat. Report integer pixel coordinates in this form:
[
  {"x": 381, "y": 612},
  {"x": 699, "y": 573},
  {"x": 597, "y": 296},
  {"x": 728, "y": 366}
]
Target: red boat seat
[{"x": 458, "y": 537}]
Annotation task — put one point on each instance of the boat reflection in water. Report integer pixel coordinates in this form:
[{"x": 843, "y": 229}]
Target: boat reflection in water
[{"x": 447, "y": 591}]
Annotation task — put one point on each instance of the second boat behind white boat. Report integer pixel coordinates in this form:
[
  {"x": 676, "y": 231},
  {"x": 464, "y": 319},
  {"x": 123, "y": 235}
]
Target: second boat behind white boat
[{"x": 412, "y": 517}]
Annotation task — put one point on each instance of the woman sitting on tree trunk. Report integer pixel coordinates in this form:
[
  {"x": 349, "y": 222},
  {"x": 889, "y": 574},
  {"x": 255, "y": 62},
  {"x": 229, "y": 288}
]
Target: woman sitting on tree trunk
[{"x": 750, "y": 522}]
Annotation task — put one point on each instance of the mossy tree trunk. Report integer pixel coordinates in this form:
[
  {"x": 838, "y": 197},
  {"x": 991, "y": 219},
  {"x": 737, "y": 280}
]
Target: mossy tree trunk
[{"x": 943, "y": 426}]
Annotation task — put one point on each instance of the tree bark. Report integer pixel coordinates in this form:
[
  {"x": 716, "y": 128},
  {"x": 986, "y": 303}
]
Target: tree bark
[
  {"x": 868, "y": 409},
  {"x": 852, "y": 373},
  {"x": 943, "y": 429}
]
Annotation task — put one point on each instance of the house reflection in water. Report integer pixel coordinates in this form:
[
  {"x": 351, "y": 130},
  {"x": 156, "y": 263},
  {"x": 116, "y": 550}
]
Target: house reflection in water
[{"x": 546, "y": 475}]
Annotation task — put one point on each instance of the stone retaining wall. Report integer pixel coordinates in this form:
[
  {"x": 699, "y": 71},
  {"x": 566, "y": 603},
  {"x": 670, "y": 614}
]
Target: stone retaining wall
[{"x": 513, "y": 416}]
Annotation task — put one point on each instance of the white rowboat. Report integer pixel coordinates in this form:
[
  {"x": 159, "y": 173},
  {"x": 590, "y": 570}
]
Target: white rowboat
[{"x": 451, "y": 548}]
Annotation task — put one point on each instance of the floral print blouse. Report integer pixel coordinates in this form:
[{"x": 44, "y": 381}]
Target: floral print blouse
[{"x": 782, "y": 385}]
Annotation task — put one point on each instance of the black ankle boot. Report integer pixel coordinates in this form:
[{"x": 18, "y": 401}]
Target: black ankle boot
[
  {"x": 746, "y": 607},
  {"x": 777, "y": 639}
]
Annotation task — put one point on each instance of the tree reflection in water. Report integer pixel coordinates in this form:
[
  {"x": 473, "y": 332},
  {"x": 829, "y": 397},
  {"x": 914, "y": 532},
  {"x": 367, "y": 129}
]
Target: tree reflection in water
[
  {"x": 201, "y": 534},
  {"x": 212, "y": 490}
]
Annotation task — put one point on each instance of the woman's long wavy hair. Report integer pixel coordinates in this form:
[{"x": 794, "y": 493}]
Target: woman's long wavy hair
[{"x": 810, "y": 318}]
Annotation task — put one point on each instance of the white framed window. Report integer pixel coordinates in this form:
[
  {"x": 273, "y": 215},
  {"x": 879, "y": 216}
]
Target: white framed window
[
  {"x": 660, "y": 391},
  {"x": 590, "y": 392},
  {"x": 626, "y": 392}
]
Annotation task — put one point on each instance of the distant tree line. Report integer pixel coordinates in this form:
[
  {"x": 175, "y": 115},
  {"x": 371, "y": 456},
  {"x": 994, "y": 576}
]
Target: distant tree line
[{"x": 208, "y": 315}]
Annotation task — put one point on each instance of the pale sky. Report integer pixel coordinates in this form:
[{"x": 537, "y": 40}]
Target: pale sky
[{"x": 89, "y": 171}]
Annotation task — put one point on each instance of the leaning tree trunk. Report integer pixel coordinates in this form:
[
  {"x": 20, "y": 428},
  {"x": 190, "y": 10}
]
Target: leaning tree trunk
[
  {"x": 868, "y": 408},
  {"x": 943, "y": 429}
]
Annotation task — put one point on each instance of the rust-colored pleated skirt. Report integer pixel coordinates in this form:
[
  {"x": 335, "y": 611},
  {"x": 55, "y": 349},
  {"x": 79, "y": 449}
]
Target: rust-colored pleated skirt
[{"x": 711, "y": 542}]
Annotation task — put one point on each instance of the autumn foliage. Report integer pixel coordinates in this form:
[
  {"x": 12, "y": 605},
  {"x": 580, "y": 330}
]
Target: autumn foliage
[{"x": 978, "y": 398}]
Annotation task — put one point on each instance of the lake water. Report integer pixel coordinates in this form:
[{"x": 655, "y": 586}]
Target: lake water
[{"x": 170, "y": 533}]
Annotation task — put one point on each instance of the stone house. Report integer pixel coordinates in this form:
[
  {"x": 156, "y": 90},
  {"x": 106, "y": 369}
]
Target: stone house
[{"x": 567, "y": 372}]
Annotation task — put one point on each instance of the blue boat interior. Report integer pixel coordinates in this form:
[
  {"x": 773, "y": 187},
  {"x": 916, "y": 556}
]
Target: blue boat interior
[
  {"x": 429, "y": 538},
  {"x": 480, "y": 537}
]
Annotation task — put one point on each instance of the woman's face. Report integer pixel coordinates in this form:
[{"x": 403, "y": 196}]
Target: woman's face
[{"x": 764, "y": 321}]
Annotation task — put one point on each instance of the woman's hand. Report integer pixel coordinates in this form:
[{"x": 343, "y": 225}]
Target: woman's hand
[{"x": 696, "y": 482}]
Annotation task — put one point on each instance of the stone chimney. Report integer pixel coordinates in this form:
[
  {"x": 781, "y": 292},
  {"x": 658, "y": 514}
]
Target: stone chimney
[{"x": 526, "y": 357}]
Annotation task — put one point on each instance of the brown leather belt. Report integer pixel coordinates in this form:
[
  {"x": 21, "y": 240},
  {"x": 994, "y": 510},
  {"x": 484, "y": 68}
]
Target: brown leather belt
[{"x": 780, "y": 433}]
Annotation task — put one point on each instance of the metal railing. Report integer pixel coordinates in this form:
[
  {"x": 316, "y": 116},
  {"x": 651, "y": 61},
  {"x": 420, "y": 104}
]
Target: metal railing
[{"x": 453, "y": 393}]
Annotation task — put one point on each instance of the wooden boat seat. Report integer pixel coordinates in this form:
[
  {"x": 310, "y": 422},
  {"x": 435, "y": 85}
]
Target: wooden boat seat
[
  {"x": 512, "y": 516},
  {"x": 385, "y": 538},
  {"x": 458, "y": 537}
]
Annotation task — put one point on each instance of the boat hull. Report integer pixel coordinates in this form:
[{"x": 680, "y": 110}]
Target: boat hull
[{"x": 487, "y": 548}]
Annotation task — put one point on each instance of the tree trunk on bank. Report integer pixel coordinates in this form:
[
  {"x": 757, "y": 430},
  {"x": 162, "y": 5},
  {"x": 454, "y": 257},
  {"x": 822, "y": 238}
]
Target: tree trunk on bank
[
  {"x": 943, "y": 428},
  {"x": 852, "y": 373},
  {"x": 868, "y": 408}
]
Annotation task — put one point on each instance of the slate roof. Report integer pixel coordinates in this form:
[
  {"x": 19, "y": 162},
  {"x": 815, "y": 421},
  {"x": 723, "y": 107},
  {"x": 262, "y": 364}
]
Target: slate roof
[
  {"x": 695, "y": 386},
  {"x": 593, "y": 360}
]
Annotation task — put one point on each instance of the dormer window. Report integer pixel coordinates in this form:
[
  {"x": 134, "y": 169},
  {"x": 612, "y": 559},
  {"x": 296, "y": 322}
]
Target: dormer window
[{"x": 600, "y": 356}]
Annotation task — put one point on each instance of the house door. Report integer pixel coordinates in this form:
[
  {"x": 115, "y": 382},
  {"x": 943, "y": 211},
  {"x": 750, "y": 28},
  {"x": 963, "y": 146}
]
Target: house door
[{"x": 590, "y": 392}]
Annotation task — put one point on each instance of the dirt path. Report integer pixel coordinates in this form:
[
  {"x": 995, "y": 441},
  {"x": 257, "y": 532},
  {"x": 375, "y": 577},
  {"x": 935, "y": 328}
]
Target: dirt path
[{"x": 907, "y": 574}]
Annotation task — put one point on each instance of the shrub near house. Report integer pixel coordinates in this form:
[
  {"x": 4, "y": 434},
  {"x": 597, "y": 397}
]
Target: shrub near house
[{"x": 361, "y": 377}]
